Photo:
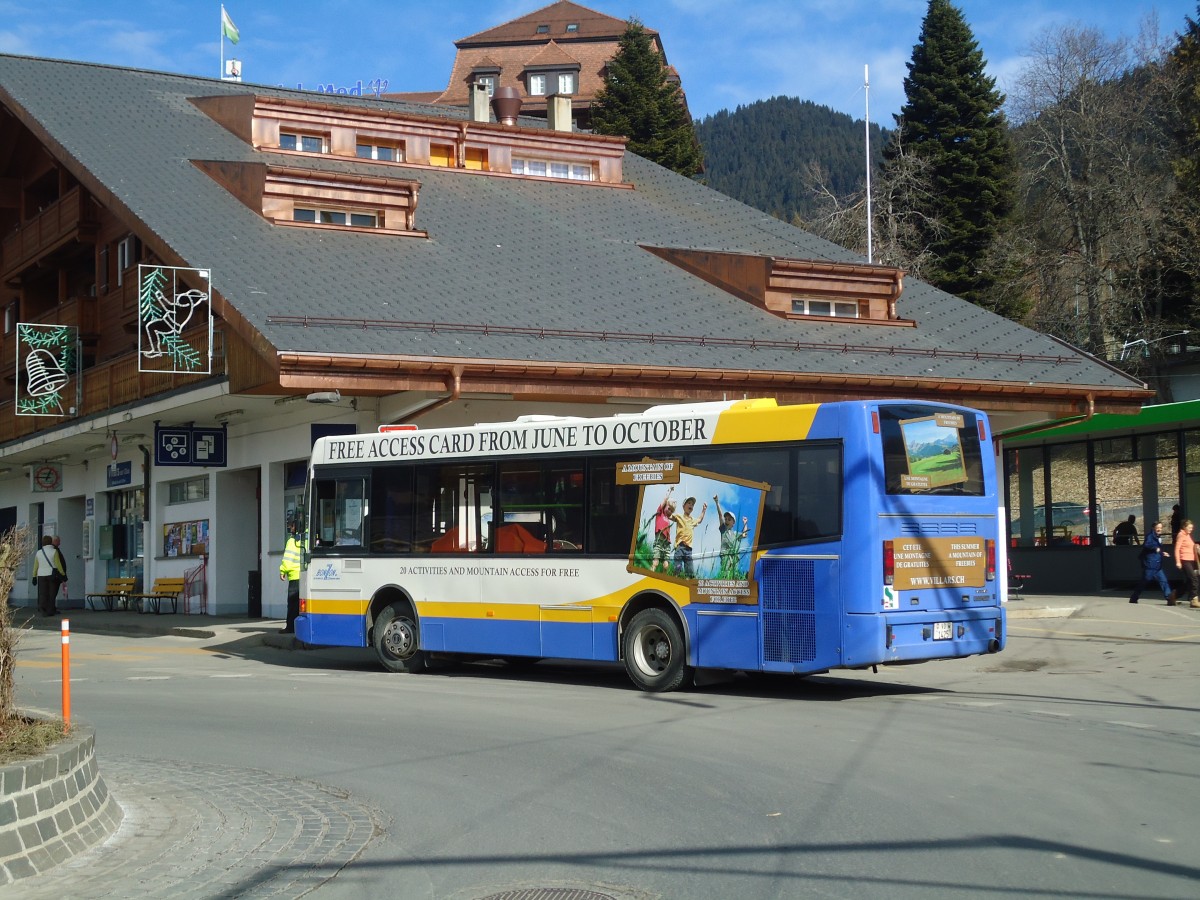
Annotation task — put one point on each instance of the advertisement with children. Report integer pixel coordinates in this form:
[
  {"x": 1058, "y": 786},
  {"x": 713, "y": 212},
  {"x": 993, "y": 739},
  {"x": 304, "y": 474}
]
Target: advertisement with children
[{"x": 700, "y": 531}]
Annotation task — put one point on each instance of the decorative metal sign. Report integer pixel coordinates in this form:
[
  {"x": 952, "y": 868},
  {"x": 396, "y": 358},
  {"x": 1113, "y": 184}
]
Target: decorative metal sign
[
  {"x": 166, "y": 308},
  {"x": 47, "y": 359}
]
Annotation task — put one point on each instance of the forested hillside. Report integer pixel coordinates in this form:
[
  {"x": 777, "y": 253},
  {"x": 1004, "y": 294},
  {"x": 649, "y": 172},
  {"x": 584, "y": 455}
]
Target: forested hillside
[{"x": 768, "y": 154}]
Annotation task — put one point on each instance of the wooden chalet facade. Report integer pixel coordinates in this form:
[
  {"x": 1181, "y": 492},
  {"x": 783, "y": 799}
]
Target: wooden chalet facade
[{"x": 395, "y": 264}]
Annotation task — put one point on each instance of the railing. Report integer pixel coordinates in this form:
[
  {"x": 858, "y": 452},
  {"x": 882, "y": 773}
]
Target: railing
[
  {"x": 72, "y": 216},
  {"x": 105, "y": 385}
]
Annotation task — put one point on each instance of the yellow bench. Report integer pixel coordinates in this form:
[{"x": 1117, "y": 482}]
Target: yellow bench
[
  {"x": 117, "y": 590},
  {"x": 165, "y": 589}
]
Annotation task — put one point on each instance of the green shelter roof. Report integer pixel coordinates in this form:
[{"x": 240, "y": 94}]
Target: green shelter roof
[{"x": 1151, "y": 418}]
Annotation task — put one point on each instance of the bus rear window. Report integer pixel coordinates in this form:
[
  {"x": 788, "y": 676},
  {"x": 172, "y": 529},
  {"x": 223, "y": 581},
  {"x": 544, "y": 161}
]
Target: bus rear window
[{"x": 930, "y": 450}]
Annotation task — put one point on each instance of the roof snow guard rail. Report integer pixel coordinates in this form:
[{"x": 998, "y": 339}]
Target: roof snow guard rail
[{"x": 640, "y": 338}]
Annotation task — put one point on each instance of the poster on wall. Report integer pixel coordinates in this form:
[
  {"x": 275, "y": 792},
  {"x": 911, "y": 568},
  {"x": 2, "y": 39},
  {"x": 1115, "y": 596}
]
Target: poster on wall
[
  {"x": 185, "y": 538},
  {"x": 173, "y": 300}
]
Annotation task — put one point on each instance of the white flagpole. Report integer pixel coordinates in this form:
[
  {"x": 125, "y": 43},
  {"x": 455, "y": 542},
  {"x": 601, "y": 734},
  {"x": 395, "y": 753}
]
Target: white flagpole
[
  {"x": 221, "y": 26},
  {"x": 867, "y": 113}
]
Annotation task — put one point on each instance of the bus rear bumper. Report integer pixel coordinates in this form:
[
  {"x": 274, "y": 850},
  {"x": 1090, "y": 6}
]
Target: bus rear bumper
[{"x": 942, "y": 634}]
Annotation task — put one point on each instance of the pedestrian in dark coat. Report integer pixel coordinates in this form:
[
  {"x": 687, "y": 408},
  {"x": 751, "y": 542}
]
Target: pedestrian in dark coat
[{"x": 1152, "y": 556}]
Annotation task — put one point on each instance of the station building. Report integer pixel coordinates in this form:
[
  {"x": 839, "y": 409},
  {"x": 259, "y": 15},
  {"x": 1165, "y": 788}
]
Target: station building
[{"x": 242, "y": 269}]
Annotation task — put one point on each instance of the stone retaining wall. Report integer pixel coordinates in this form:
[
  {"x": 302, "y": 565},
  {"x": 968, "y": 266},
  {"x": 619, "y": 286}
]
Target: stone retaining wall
[{"x": 53, "y": 807}]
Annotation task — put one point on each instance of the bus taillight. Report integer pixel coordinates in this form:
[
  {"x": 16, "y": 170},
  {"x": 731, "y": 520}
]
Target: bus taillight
[
  {"x": 303, "y": 606},
  {"x": 991, "y": 560},
  {"x": 889, "y": 563}
]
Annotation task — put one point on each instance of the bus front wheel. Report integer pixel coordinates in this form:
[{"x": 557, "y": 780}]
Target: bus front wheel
[
  {"x": 655, "y": 657},
  {"x": 397, "y": 640}
]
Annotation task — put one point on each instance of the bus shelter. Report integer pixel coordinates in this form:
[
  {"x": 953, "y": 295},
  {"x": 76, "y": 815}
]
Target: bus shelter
[{"x": 1069, "y": 484}]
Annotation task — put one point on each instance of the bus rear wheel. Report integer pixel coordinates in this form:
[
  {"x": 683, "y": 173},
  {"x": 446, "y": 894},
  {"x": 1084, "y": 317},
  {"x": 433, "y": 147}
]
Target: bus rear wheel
[
  {"x": 397, "y": 640},
  {"x": 655, "y": 657}
]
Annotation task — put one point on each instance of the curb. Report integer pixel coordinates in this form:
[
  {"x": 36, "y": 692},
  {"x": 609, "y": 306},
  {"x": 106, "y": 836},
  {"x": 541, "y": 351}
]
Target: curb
[
  {"x": 1043, "y": 612},
  {"x": 53, "y": 807}
]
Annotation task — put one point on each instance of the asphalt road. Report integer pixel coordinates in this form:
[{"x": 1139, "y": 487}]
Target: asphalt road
[{"x": 1065, "y": 766}]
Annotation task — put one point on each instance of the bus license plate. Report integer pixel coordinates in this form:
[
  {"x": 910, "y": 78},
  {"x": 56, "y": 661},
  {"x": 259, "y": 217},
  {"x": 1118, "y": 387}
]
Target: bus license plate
[{"x": 943, "y": 631}]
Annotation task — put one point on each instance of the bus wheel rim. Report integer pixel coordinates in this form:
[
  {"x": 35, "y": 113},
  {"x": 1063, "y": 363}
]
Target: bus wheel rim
[
  {"x": 653, "y": 651},
  {"x": 399, "y": 640}
]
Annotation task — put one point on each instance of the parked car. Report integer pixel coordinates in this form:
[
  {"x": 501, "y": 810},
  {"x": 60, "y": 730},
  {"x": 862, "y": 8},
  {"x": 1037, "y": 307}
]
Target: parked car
[{"x": 1075, "y": 517}]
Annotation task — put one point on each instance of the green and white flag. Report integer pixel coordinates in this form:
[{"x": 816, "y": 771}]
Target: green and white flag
[{"x": 228, "y": 29}]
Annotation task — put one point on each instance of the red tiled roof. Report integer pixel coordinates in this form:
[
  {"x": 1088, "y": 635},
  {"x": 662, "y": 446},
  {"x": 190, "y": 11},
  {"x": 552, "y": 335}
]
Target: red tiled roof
[
  {"x": 556, "y": 16},
  {"x": 551, "y": 55}
]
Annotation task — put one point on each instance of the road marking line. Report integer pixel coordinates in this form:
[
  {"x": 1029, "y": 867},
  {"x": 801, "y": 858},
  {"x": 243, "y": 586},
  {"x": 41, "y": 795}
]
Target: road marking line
[
  {"x": 148, "y": 678},
  {"x": 1056, "y": 715},
  {"x": 1132, "y": 725},
  {"x": 233, "y": 675},
  {"x": 975, "y": 702}
]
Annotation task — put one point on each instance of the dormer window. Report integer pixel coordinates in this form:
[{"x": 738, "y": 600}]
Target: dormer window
[
  {"x": 316, "y": 216},
  {"x": 537, "y": 85},
  {"x": 837, "y": 308},
  {"x": 543, "y": 29},
  {"x": 566, "y": 83},
  {"x": 304, "y": 143},
  {"x": 546, "y": 168},
  {"x": 572, "y": 27},
  {"x": 380, "y": 152},
  {"x": 488, "y": 82}
]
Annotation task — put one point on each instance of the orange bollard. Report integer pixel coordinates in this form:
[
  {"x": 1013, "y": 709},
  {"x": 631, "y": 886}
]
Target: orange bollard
[{"x": 66, "y": 673}]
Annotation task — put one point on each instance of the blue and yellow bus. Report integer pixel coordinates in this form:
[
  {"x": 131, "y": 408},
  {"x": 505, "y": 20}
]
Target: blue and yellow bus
[{"x": 737, "y": 535}]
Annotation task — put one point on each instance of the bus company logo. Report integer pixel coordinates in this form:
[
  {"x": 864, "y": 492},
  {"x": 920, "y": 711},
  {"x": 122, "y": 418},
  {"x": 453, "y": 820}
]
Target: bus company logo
[{"x": 327, "y": 572}]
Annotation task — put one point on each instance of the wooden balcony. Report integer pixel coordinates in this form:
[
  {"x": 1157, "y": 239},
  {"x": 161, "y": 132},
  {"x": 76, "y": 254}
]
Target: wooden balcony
[
  {"x": 71, "y": 218},
  {"x": 109, "y": 384}
]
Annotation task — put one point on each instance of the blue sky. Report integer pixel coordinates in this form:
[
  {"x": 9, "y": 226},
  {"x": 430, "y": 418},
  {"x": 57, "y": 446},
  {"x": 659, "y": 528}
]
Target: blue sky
[{"x": 812, "y": 49}]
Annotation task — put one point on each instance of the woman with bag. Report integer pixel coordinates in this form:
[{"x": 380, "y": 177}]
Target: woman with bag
[{"x": 47, "y": 575}]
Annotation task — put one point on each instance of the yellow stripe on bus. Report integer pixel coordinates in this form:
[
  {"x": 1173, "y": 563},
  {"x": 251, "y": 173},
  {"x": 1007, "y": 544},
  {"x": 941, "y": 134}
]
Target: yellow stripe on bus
[
  {"x": 742, "y": 425},
  {"x": 602, "y": 607}
]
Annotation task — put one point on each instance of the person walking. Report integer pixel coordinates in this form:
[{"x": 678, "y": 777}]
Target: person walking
[
  {"x": 1152, "y": 555},
  {"x": 47, "y": 576},
  {"x": 1185, "y": 559},
  {"x": 289, "y": 571},
  {"x": 61, "y": 564}
]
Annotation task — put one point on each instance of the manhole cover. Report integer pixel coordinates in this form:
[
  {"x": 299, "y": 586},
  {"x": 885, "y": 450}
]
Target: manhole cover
[{"x": 548, "y": 894}]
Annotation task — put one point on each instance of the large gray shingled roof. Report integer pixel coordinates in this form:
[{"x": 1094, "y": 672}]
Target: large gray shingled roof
[{"x": 506, "y": 253}]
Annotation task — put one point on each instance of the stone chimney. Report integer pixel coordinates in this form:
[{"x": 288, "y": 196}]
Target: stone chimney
[
  {"x": 558, "y": 112},
  {"x": 479, "y": 103}
]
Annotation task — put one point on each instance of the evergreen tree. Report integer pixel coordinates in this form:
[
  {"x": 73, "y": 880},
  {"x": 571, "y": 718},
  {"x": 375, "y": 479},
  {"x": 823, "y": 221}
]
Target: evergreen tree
[
  {"x": 639, "y": 102},
  {"x": 1186, "y": 59},
  {"x": 951, "y": 119}
]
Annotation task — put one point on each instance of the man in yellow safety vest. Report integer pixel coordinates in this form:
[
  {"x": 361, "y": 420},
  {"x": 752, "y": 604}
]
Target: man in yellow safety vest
[{"x": 289, "y": 571}]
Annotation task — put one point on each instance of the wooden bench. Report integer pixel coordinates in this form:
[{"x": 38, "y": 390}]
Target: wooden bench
[
  {"x": 165, "y": 589},
  {"x": 117, "y": 590}
]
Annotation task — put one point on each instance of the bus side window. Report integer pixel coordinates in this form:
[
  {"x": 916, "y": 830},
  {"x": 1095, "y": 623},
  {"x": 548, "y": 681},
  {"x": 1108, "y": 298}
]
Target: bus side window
[
  {"x": 391, "y": 509},
  {"x": 612, "y": 511},
  {"x": 542, "y": 507},
  {"x": 452, "y": 505},
  {"x": 339, "y": 507}
]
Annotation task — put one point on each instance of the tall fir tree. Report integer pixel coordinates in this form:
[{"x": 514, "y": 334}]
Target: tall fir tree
[
  {"x": 641, "y": 103},
  {"x": 952, "y": 120},
  {"x": 1186, "y": 59}
]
